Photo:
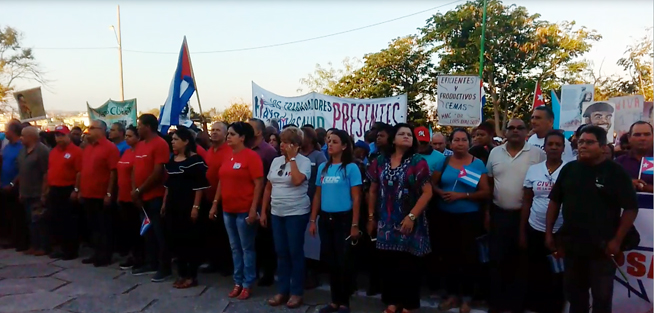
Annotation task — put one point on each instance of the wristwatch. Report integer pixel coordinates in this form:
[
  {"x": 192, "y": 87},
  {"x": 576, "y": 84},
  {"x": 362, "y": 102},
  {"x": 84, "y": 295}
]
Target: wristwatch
[
  {"x": 292, "y": 159},
  {"x": 76, "y": 189},
  {"x": 412, "y": 217}
]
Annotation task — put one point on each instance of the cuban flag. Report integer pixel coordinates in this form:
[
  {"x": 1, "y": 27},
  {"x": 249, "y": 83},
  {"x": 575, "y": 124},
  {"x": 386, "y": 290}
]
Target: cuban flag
[
  {"x": 647, "y": 166},
  {"x": 181, "y": 90},
  {"x": 556, "y": 263},
  {"x": 145, "y": 224},
  {"x": 469, "y": 177}
]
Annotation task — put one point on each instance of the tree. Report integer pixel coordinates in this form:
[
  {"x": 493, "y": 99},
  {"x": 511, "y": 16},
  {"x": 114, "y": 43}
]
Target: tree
[
  {"x": 404, "y": 67},
  {"x": 323, "y": 79},
  {"x": 16, "y": 63},
  {"x": 236, "y": 112},
  {"x": 520, "y": 50}
]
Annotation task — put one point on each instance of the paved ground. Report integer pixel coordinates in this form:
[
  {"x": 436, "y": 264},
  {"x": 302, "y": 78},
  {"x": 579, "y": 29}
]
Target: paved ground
[{"x": 40, "y": 284}]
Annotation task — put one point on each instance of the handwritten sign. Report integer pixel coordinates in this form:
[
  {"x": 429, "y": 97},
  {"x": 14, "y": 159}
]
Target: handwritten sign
[
  {"x": 628, "y": 110},
  {"x": 352, "y": 115},
  {"x": 459, "y": 100}
]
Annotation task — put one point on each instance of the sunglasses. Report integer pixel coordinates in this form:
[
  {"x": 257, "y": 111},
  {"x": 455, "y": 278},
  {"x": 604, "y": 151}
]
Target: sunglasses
[
  {"x": 281, "y": 170},
  {"x": 512, "y": 128}
]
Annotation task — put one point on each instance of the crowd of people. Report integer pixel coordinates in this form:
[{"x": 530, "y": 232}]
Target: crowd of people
[{"x": 471, "y": 218}]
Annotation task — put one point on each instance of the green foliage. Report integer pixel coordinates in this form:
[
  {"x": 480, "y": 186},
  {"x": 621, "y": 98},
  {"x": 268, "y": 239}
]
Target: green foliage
[
  {"x": 323, "y": 80},
  {"x": 16, "y": 63},
  {"x": 520, "y": 50},
  {"x": 236, "y": 112}
]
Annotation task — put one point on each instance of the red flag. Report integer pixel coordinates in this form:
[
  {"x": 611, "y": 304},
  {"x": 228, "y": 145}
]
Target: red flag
[{"x": 538, "y": 97}]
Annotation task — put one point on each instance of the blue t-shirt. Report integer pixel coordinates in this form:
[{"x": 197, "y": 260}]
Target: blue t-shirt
[
  {"x": 9, "y": 164},
  {"x": 336, "y": 186},
  {"x": 434, "y": 160},
  {"x": 449, "y": 177},
  {"x": 373, "y": 148},
  {"x": 324, "y": 150},
  {"x": 122, "y": 146}
]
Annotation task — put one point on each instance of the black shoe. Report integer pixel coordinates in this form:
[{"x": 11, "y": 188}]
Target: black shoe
[
  {"x": 102, "y": 263},
  {"x": 69, "y": 257},
  {"x": 57, "y": 255},
  {"x": 143, "y": 270},
  {"x": 127, "y": 265},
  {"x": 266, "y": 280},
  {"x": 210, "y": 269},
  {"x": 161, "y": 276},
  {"x": 90, "y": 260}
]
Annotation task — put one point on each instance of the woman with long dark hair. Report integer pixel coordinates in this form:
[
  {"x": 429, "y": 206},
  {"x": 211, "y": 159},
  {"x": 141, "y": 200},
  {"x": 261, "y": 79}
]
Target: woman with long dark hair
[
  {"x": 239, "y": 191},
  {"x": 187, "y": 177},
  {"x": 337, "y": 199},
  {"x": 544, "y": 288},
  {"x": 399, "y": 193},
  {"x": 460, "y": 219}
]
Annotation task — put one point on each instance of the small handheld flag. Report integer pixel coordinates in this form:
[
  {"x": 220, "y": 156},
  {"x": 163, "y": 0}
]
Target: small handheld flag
[
  {"x": 146, "y": 222},
  {"x": 646, "y": 166},
  {"x": 469, "y": 177},
  {"x": 556, "y": 263}
]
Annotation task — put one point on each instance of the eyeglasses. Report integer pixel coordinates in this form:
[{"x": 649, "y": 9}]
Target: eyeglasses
[
  {"x": 589, "y": 142},
  {"x": 512, "y": 128},
  {"x": 281, "y": 170}
]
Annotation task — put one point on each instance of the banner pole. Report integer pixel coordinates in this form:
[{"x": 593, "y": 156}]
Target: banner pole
[{"x": 195, "y": 83}]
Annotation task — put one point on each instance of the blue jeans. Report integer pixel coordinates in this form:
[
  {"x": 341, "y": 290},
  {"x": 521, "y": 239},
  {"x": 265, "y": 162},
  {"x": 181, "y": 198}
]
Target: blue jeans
[
  {"x": 288, "y": 235},
  {"x": 241, "y": 240}
]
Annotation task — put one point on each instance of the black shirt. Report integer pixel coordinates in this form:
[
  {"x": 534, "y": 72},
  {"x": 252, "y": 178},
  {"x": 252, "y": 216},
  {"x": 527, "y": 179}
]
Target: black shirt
[
  {"x": 184, "y": 179},
  {"x": 591, "y": 198}
]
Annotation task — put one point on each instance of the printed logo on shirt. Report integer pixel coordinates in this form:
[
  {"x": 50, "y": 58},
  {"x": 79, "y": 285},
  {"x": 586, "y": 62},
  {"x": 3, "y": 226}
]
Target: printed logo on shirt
[
  {"x": 141, "y": 156},
  {"x": 67, "y": 156},
  {"x": 237, "y": 166},
  {"x": 543, "y": 186},
  {"x": 330, "y": 179}
]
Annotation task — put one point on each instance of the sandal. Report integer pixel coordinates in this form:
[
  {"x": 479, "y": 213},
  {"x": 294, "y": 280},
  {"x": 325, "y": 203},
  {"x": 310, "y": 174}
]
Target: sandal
[
  {"x": 178, "y": 282},
  {"x": 277, "y": 300},
  {"x": 294, "y": 302},
  {"x": 188, "y": 283}
]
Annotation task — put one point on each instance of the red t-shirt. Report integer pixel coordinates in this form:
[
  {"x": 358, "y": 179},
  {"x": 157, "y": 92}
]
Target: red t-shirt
[
  {"x": 237, "y": 175},
  {"x": 147, "y": 155},
  {"x": 63, "y": 165},
  {"x": 201, "y": 152},
  {"x": 214, "y": 160},
  {"x": 124, "y": 170},
  {"x": 98, "y": 160}
]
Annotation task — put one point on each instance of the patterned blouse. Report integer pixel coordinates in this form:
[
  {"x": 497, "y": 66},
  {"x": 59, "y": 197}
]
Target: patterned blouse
[{"x": 399, "y": 190}]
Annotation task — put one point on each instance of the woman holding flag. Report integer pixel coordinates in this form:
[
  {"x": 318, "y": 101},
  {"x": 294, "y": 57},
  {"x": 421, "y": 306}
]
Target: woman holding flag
[
  {"x": 187, "y": 177},
  {"x": 545, "y": 279},
  {"x": 399, "y": 194},
  {"x": 462, "y": 185}
]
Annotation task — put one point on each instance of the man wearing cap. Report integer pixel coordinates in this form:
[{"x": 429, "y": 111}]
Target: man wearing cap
[
  {"x": 97, "y": 189},
  {"x": 433, "y": 157},
  {"x": 600, "y": 114},
  {"x": 64, "y": 166}
]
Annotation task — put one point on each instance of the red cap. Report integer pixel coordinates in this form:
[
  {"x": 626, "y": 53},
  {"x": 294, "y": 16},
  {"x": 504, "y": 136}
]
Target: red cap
[
  {"x": 62, "y": 129},
  {"x": 422, "y": 134}
]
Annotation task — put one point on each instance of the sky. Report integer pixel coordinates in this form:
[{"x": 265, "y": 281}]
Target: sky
[{"x": 57, "y": 29}]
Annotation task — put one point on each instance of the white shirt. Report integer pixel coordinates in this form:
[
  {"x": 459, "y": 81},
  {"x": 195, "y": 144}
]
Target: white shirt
[
  {"x": 286, "y": 198},
  {"x": 568, "y": 154},
  {"x": 509, "y": 173},
  {"x": 541, "y": 182}
]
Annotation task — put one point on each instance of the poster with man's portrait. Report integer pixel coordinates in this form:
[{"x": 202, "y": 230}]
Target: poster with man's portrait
[
  {"x": 573, "y": 99},
  {"x": 30, "y": 104},
  {"x": 600, "y": 113}
]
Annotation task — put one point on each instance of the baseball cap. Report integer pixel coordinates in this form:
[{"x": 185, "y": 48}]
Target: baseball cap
[
  {"x": 62, "y": 129},
  {"x": 421, "y": 133}
]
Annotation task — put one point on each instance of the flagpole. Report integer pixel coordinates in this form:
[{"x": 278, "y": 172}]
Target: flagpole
[
  {"x": 483, "y": 41},
  {"x": 533, "y": 101},
  {"x": 640, "y": 171},
  {"x": 120, "y": 58},
  {"x": 195, "y": 83}
]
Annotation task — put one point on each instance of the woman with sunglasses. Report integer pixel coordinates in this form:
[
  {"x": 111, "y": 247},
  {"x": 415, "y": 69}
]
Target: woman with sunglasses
[
  {"x": 239, "y": 191},
  {"x": 545, "y": 288},
  {"x": 286, "y": 197},
  {"x": 399, "y": 193},
  {"x": 337, "y": 199}
]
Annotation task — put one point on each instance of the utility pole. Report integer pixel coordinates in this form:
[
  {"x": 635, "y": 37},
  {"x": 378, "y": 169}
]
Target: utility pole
[
  {"x": 483, "y": 41},
  {"x": 120, "y": 57}
]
